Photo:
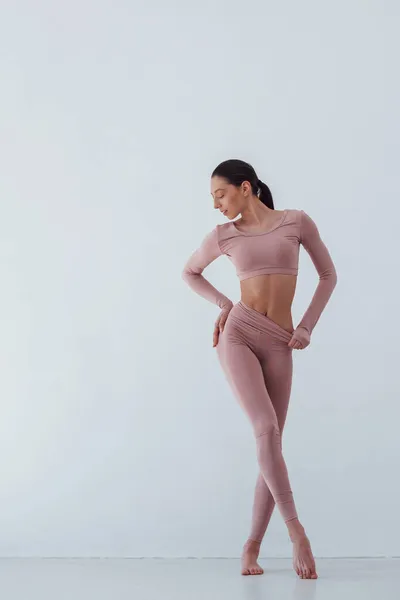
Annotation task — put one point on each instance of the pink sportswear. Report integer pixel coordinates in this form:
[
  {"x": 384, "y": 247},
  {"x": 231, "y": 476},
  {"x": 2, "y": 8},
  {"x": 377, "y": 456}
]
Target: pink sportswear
[
  {"x": 254, "y": 351},
  {"x": 273, "y": 251}
]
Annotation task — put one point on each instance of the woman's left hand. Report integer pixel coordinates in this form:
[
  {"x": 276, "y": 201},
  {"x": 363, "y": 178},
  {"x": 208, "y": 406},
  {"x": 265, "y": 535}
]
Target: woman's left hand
[{"x": 300, "y": 339}]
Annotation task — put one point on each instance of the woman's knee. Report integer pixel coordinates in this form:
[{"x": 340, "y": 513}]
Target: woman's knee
[{"x": 268, "y": 427}]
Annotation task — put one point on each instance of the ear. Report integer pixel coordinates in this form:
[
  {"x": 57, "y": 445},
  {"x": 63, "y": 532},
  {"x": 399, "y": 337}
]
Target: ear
[{"x": 246, "y": 188}]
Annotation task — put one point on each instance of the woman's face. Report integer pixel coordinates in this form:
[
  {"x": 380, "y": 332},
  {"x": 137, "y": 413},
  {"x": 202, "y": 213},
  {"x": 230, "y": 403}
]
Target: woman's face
[{"x": 229, "y": 199}]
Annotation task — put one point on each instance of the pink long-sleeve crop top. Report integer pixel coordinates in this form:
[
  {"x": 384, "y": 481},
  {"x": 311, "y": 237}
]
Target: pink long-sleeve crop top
[{"x": 273, "y": 251}]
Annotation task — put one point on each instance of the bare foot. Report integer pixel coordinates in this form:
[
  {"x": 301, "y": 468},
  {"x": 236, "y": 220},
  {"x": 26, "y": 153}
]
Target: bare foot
[
  {"x": 303, "y": 559},
  {"x": 250, "y": 566}
]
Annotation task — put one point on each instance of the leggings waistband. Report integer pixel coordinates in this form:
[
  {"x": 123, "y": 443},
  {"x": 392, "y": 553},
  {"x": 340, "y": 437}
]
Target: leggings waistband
[{"x": 259, "y": 320}]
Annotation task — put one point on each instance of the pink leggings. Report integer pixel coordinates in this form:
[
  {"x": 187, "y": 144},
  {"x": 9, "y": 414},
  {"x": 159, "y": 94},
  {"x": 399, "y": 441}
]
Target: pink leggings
[{"x": 258, "y": 365}]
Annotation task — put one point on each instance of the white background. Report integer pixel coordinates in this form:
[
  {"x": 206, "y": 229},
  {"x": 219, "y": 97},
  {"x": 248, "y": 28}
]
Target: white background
[{"x": 119, "y": 435}]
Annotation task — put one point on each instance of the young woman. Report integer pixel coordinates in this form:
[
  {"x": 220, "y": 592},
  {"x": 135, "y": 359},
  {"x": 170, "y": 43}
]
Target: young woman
[{"x": 255, "y": 337}]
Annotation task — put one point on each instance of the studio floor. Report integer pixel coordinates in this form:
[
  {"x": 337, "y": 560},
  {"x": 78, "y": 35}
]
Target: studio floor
[{"x": 205, "y": 579}]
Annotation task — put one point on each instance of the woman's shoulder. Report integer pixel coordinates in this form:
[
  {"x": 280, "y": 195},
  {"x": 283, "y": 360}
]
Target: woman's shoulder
[
  {"x": 226, "y": 231},
  {"x": 293, "y": 216},
  {"x": 294, "y": 211}
]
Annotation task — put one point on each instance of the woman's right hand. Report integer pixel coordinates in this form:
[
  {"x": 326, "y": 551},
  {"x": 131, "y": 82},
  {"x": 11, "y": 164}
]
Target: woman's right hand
[{"x": 220, "y": 323}]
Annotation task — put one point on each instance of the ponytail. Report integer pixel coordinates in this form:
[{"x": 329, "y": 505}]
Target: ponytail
[{"x": 264, "y": 194}]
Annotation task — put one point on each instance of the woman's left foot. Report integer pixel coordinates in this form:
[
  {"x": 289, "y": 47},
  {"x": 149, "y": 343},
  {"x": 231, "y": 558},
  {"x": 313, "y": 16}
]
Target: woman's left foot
[
  {"x": 250, "y": 566},
  {"x": 303, "y": 559}
]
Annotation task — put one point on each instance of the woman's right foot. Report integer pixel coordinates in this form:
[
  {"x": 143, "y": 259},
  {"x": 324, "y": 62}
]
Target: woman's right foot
[
  {"x": 250, "y": 566},
  {"x": 303, "y": 559}
]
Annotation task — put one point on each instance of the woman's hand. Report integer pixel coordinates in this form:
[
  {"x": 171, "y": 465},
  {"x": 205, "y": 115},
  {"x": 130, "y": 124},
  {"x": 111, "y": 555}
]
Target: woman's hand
[
  {"x": 300, "y": 339},
  {"x": 220, "y": 324}
]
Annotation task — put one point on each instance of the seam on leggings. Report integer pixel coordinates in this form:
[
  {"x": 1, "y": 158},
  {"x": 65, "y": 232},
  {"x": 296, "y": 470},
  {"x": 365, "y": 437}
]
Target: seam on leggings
[{"x": 276, "y": 430}]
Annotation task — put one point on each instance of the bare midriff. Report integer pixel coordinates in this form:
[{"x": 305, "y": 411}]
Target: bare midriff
[{"x": 271, "y": 295}]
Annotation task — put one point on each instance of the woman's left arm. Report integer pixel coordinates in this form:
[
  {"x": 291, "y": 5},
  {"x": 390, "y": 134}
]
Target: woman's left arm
[{"x": 319, "y": 254}]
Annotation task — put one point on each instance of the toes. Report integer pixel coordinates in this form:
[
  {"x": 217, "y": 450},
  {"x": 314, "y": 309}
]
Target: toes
[{"x": 253, "y": 571}]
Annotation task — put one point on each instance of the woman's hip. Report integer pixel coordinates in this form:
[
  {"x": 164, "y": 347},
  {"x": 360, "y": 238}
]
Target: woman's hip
[{"x": 252, "y": 324}]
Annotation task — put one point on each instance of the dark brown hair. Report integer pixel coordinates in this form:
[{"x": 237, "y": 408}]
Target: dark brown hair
[{"x": 236, "y": 171}]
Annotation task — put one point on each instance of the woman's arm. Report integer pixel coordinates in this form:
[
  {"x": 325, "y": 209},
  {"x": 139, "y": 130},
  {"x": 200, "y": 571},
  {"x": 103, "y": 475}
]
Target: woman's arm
[
  {"x": 208, "y": 251},
  {"x": 312, "y": 242}
]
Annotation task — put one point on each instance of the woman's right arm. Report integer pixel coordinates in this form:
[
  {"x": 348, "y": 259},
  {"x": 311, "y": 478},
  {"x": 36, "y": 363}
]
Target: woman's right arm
[{"x": 208, "y": 251}]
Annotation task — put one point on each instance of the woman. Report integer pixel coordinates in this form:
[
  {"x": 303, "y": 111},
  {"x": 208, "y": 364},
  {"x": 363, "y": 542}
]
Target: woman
[{"x": 254, "y": 338}]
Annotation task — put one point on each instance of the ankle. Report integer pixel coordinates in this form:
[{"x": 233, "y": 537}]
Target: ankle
[
  {"x": 252, "y": 544},
  {"x": 296, "y": 530}
]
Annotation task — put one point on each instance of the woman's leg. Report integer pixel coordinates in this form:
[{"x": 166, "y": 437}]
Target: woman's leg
[
  {"x": 277, "y": 370},
  {"x": 244, "y": 373},
  {"x": 243, "y": 370},
  {"x": 277, "y": 365}
]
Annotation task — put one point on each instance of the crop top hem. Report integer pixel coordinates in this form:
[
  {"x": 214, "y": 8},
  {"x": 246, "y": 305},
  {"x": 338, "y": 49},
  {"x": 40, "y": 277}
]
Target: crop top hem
[{"x": 268, "y": 271}]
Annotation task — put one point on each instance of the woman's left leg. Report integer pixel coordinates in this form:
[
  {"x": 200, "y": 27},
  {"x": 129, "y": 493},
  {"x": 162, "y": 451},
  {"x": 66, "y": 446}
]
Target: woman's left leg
[
  {"x": 240, "y": 360},
  {"x": 241, "y": 349},
  {"x": 277, "y": 366},
  {"x": 278, "y": 371},
  {"x": 241, "y": 363}
]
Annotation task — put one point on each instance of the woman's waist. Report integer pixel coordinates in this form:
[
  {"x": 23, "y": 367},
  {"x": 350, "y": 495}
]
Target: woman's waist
[
  {"x": 242, "y": 317},
  {"x": 271, "y": 296}
]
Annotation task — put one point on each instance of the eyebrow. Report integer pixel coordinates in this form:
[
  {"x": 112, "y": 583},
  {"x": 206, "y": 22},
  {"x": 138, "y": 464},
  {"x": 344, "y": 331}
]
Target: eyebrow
[{"x": 219, "y": 189}]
